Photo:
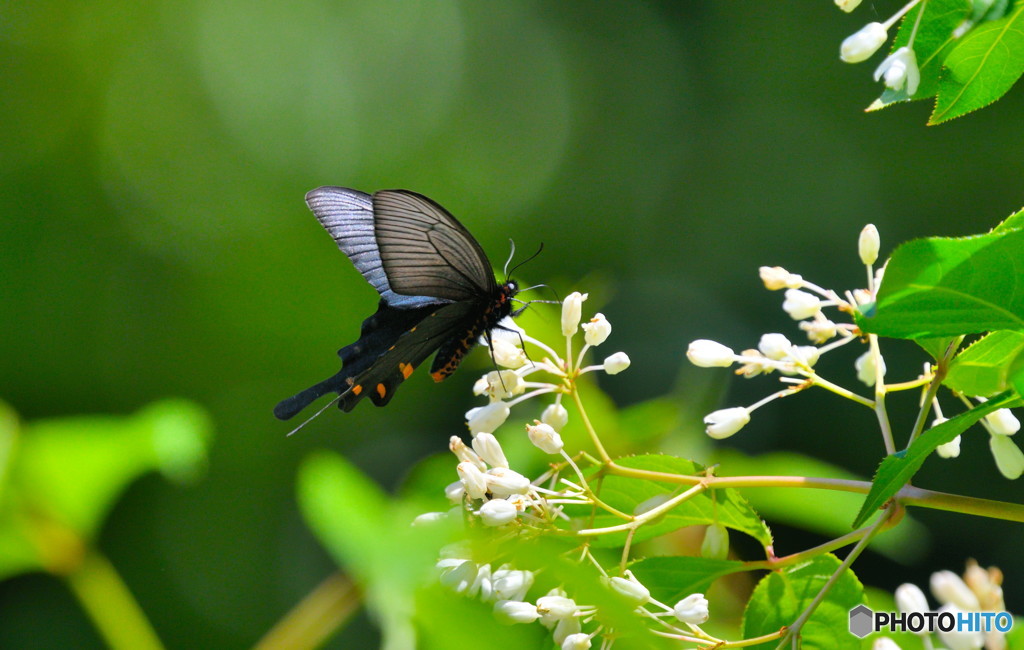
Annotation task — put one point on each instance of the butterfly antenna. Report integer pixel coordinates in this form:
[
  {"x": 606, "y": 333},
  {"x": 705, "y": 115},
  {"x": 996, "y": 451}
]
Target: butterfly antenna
[
  {"x": 315, "y": 415},
  {"x": 511, "y": 254},
  {"x": 539, "y": 249}
]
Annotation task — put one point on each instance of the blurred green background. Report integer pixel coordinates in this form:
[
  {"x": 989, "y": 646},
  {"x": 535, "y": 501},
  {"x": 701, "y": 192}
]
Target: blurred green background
[{"x": 153, "y": 161}]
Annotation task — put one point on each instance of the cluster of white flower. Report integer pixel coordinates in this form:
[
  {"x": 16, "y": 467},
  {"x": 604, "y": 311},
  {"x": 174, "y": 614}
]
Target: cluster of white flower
[
  {"x": 980, "y": 590},
  {"x": 899, "y": 69},
  {"x": 804, "y": 302},
  {"x": 507, "y": 588}
]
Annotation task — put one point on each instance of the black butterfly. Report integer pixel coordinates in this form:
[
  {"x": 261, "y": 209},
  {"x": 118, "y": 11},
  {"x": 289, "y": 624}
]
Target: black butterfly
[{"x": 437, "y": 292}]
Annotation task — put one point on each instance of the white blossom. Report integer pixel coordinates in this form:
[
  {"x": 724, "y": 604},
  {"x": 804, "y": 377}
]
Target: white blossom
[
  {"x": 693, "y": 609},
  {"x": 884, "y": 642},
  {"x": 950, "y": 449},
  {"x": 565, "y": 629},
  {"x": 554, "y": 608},
  {"x": 500, "y": 384},
  {"x": 464, "y": 453},
  {"x": 901, "y": 72},
  {"x": 577, "y": 641},
  {"x": 800, "y": 304},
  {"x": 861, "y": 45},
  {"x": 1003, "y": 422},
  {"x": 489, "y": 449},
  {"x": 555, "y": 415},
  {"x": 428, "y": 518},
  {"x": 819, "y": 330},
  {"x": 848, "y": 5},
  {"x": 705, "y": 353},
  {"x": 597, "y": 330},
  {"x": 865, "y": 367},
  {"x": 511, "y": 584},
  {"x": 472, "y": 479},
  {"x": 776, "y": 277},
  {"x": 725, "y": 422},
  {"x": 485, "y": 419},
  {"x": 774, "y": 346},
  {"x": 515, "y": 611},
  {"x": 544, "y": 437},
  {"x": 506, "y": 353},
  {"x": 910, "y": 598},
  {"x": 616, "y": 363},
  {"x": 1008, "y": 456},
  {"x": 503, "y": 482},
  {"x": 498, "y": 512},
  {"x": 572, "y": 311},
  {"x": 950, "y": 589},
  {"x": 960, "y": 640},
  {"x": 454, "y": 492},
  {"x": 868, "y": 244},
  {"x": 631, "y": 588},
  {"x": 460, "y": 577}
]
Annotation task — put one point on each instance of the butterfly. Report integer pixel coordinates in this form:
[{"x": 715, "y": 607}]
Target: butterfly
[{"x": 437, "y": 292}]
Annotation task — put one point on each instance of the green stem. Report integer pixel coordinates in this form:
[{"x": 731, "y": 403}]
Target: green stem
[
  {"x": 311, "y": 622},
  {"x": 107, "y": 601},
  {"x": 605, "y": 458}
]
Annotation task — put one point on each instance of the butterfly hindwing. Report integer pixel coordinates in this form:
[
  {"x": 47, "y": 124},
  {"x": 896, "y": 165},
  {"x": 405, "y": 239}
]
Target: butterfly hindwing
[{"x": 393, "y": 365}]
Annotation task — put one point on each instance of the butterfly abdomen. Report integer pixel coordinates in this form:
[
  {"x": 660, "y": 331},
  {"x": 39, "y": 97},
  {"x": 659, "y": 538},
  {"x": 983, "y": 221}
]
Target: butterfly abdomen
[{"x": 452, "y": 351}]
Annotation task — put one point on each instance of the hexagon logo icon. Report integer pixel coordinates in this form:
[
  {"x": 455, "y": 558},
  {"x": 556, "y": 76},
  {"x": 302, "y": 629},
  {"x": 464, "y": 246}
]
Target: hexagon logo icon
[{"x": 861, "y": 618}]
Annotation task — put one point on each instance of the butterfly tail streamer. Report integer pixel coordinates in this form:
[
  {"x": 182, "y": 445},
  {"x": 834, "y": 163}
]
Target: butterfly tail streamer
[{"x": 287, "y": 409}]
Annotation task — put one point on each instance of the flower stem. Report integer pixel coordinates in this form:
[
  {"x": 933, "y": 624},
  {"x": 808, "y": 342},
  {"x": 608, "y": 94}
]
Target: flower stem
[
  {"x": 316, "y": 617},
  {"x": 605, "y": 458},
  {"x": 110, "y": 605}
]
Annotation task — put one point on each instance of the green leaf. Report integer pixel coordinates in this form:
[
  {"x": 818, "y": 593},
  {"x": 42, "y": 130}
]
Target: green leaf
[
  {"x": 1012, "y": 222},
  {"x": 931, "y": 45},
  {"x": 983, "y": 66},
  {"x": 671, "y": 579},
  {"x": 896, "y": 470},
  {"x": 948, "y": 287},
  {"x": 65, "y": 475},
  {"x": 370, "y": 536},
  {"x": 984, "y": 367},
  {"x": 727, "y": 507},
  {"x": 782, "y": 596}
]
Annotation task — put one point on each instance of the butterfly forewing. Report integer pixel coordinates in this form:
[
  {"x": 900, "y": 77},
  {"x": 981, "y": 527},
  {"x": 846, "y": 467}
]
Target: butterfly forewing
[{"x": 426, "y": 252}]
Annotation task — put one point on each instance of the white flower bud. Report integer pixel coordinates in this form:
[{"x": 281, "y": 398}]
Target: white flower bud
[
  {"x": 776, "y": 277},
  {"x": 565, "y": 628},
  {"x": 464, "y": 453},
  {"x": 861, "y": 45},
  {"x": 950, "y": 589},
  {"x": 819, "y": 330},
  {"x": 504, "y": 482},
  {"x": 461, "y": 577},
  {"x": 511, "y": 584},
  {"x": 725, "y": 422},
  {"x": 544, "y": 437},
  {"x": 865, "y": 367},
  {"x": 884, "y": 642},
  {"x": 1007, "y": 455},
  {"x": 848, "y": 5},
  {"x": 428, "y": 518},
  {"x": 597, "y": 330},
  {"x": 631, "y": 588},
  {"x": 900, "y": 71},
  {"x": 554, "y": 608},
  {"x": 498, "y": 512},
  {"x": 482, "y": 583},
  {"x": 555, "y": 415},
  {"x": 950, "y": 449},
  {"x": 515, "y": 611},
  {"x": 693, "y": 609},
  {"x": 987, "y": 585},
  {"x": 500, "y": 384},
  {"x": 473, "y": 480},
  {"x": 578, "y": 641},
  {"x": 454, "y": 492},
  {"x": 774, "y": 346},
  {"x": 485, "y": 419},
  {"x": 506, "y": 353},
  {"x": 572, "y": 309},
  {"x": 960, "y": 640},
  {"x": 800, "y": 304},
  {"x": 807, "y": 354},
  {"x": 868, "y": 244},
  {"x": 616, "y": 363},
  {"x": 489, "y": 449},
  {"x": 910, "y": 598},
  {"x": 1003, "y": 422},
  {"x": 709, "y": 354},
  {"x": 716, "y": 542}
]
